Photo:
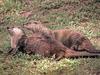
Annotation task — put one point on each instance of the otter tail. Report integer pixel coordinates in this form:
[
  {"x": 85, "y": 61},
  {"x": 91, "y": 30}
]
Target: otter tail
[{"x": 76, "y": 54}]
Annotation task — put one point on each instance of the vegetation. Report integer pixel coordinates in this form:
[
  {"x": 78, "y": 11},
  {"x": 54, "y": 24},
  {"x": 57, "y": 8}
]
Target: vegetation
[{"x": 81, "y": 15}]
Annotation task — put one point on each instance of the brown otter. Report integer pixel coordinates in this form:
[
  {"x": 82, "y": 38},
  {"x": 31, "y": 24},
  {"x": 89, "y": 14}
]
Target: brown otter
[
  {"x": 37, "y": 44},
  {"x": 70, "y": 38},
  {"x": 75, "y": 40},
  {"x": 15, "y": 35}
]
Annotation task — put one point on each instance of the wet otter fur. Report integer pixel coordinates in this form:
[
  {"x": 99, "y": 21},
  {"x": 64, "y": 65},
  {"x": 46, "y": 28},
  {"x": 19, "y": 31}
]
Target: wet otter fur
[
  {"x": 37, "y": 44},
  {"x": 38, "y": 27},
  {"x": 72, "y": 39}
]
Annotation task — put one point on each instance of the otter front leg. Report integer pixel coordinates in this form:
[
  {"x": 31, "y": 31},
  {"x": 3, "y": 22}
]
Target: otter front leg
[{"x": 10, "y": 50}]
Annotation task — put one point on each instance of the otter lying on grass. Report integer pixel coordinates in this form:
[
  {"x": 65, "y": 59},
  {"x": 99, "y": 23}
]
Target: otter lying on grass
[
  {"x": 15, "y": 35},
  {"x": 75, "y": 40},
  {"x": 70, "y": 38},
  {"x": 37, "y": 44}
]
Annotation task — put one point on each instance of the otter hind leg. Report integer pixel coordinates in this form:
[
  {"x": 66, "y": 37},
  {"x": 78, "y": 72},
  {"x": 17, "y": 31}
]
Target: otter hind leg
[{"x": 59, "y": 56}]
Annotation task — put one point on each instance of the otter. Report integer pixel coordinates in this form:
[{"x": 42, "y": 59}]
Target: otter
[
  {"x": 15, "y": 35},
  {"x": 72, "y": 39},
  {"x": 37, "y": 44},
  {"x": 75, "y": 40}
]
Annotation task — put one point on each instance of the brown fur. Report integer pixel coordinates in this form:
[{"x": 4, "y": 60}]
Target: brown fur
[
  {"x": 38, "y": 27},
  {"x": 37, "y": 44},
  {"x": 71, "y": 39},
  {"x": 74, "y": 40},
  {"x": 41, "y": 46}
]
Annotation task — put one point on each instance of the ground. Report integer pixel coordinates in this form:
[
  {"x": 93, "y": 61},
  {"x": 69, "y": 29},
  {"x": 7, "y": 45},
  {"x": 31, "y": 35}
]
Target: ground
[{"x": 80, "y": 15}]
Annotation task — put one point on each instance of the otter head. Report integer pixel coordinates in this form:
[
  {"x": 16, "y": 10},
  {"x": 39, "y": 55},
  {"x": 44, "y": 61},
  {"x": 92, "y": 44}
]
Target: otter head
[
  {"x": 85, "y": 44},
  {"x": 15, "y": 35}
]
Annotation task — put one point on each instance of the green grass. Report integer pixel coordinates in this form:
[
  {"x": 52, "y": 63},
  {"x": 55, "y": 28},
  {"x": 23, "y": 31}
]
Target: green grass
[{"x": 55, "y": 14}]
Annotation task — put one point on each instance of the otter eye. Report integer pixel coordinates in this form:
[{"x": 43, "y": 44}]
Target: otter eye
[{"x": 8, "y": 27}]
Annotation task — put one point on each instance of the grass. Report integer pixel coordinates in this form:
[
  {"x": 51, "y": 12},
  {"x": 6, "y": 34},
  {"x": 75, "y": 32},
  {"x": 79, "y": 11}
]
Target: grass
[{"x": 78, "y": 15}]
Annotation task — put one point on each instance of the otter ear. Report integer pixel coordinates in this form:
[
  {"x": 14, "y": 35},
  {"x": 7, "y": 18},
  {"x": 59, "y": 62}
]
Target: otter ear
[{"x": 9, "y": 28}]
